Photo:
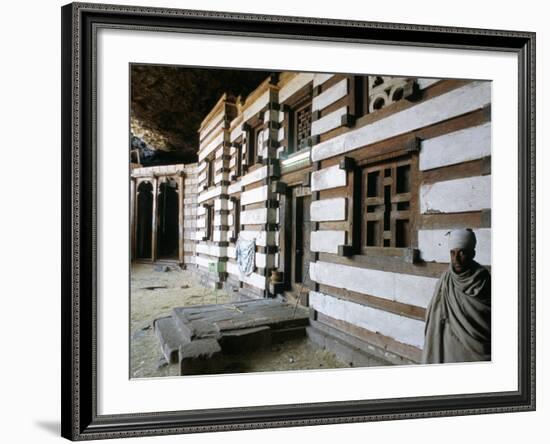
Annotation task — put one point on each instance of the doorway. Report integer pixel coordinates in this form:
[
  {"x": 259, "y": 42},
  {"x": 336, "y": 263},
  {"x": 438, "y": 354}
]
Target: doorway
[
  {"x": 167, "y": 230},
  {"x": 144, "y": 220},
  {"x": 296, "y": 242}
]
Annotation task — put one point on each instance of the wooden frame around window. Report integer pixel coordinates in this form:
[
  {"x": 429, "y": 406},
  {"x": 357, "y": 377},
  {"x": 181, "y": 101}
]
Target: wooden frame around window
[{"x": 388, "y": 205}]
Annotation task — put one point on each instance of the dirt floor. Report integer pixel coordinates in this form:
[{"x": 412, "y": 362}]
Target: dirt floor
[{"x": 155, "y": 293}]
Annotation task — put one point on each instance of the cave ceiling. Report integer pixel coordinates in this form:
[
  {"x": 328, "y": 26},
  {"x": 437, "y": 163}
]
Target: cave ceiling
[{"x": 168, "y": 103}]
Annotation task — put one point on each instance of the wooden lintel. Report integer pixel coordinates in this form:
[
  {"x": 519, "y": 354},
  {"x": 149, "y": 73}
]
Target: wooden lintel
[
  {"x": 274, "y": 78},
  {"x": 486, "y": 217},
  {"x": 313, "y": 140},
  {"x": 345, "y": 250},
  {"x": 275, "y": 170},
  {"x": 279, "y": 187},
  {"x": 348, "y": 120},
  {"x": 411, "y": 255},
  {"x": 347, "y": 164},
  {"x": 414, "y": 145},
  {"x": 272, "y": 203},
  {"x": 274, "y": 125}
]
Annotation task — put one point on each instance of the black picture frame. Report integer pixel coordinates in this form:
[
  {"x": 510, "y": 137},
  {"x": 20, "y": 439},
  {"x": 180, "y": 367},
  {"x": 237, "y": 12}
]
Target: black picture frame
[{"x": 79, "y": 385}]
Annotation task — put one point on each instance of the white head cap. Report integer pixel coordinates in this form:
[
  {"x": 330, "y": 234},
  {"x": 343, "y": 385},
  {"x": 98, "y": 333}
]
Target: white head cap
[{"x": 464, "y": 239}]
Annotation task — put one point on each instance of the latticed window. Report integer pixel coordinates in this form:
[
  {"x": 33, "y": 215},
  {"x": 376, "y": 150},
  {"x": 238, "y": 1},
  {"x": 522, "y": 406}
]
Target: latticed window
[
  {"x": 299, "y": 125},
  {"x": 387, "y": 204},
  {"x": 302, "y": 122}
]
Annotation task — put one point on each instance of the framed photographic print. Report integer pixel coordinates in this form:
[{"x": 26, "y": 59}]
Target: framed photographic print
[{"x": 277, "y": 221}]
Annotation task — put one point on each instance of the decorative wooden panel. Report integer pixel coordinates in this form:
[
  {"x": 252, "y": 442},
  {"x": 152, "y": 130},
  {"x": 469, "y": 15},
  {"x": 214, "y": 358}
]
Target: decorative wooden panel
[{"x": 387, "y": 200}]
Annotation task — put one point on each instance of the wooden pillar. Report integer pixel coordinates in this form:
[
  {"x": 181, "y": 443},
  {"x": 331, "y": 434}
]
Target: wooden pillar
[
  {"x": 180, "y": 218},
  {"x": 155, "y": 220},
  {"x": 133, "y": 221}
]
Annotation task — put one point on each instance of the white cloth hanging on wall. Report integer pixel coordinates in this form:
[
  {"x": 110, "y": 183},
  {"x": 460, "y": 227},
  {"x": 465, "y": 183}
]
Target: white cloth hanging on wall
[{"x": 245, "y": 255}]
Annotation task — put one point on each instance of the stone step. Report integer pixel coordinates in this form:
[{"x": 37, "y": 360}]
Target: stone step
[
  {"x": 284, "y": 334},
  {"x": 201, "y": 356},
  {"x": 170, "y": 337},
  {"x": 245, "y": 339}
]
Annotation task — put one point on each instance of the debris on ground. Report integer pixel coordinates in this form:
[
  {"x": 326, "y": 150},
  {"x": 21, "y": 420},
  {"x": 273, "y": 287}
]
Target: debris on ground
[{"x": 145, "y": 347}]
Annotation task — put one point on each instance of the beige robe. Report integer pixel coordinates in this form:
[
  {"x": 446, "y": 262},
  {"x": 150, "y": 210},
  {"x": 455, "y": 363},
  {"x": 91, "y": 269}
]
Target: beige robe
[{"x": 458, "y": 319}]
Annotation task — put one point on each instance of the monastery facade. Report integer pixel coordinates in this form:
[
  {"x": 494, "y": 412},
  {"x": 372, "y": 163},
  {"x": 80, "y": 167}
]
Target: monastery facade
[{"x": 346, "y": 183}]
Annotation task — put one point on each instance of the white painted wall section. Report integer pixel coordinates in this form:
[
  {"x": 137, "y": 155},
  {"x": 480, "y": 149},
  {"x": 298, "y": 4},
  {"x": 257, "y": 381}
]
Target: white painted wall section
[
  {"x": 217, "y": 141},
  {"x": 319, "y": 79},
  {"x": 234, "y": 187},
  {"x": 328, "y": 122},
  {"x": 402, "y": 329},
  {"x": 457, "y": 195},
  {"x": 331, "y": 177},
  {"x": 281, "y": 134},
  {"x": 256, "y": 280},
  {"x": 211, "y": 250},
  {"x": 219, "y": 236},
  {"x": 459, "y": 101},
  {"x": 205, "y": 262},
  {"x": 404, "y": 288},
  {"x": 424, "y": 83},
  {"x": 327, "y": 241},
  {"x": 330, "y": 95},
  {"x": 236, "y": 132},
  {"x": 294, "y": 85},
  {"x": 256, "y": 106},
  {"x": 328, "y": 209},
  {"x": 456, "y": 147},
  {"x": 255, "y": 195},
  {"x": 209, "y": 194},
  {"x": 433, "y": 245},
  {"x": 252, "y": 217},
  {"x": 262, "y": 238},
  {"x": 254, "y": 176},
  {"x": 213, "y": 123}
]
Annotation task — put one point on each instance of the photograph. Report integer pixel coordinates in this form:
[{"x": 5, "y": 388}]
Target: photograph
[{"x": 286, "y": 220}]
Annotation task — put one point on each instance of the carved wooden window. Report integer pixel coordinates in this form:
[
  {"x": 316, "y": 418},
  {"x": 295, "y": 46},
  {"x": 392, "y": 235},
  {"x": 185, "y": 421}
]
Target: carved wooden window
[
  {"x": 209, "y": 172},
  {"x": 299, "y": 127},
  {"x": 209, "y": 230},
  {"x": 236, "y": 219},
  {"x": 255, "y": 144},
  {"x": 238, "y": 160},
  {"x": 387, "y": 202},
  {"x": 373, "y": 93}
]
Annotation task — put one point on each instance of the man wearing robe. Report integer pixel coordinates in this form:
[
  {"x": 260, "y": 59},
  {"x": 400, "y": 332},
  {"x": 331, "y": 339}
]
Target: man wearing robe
[{"x": 458, "y": 318}]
